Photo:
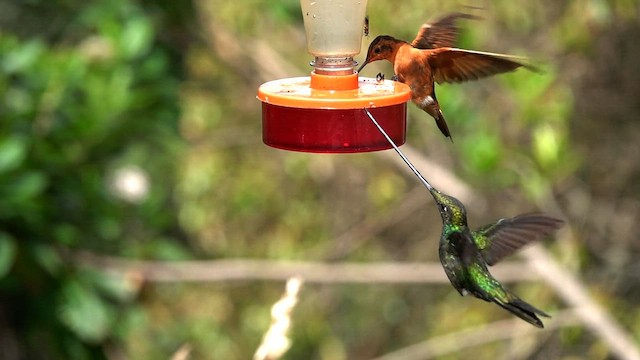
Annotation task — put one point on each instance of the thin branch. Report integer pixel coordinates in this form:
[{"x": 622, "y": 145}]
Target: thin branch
[
  {"x": 468, "y": 338},
  {"x": 571, "y": 290},
  {"x": 276, "y": 270}
]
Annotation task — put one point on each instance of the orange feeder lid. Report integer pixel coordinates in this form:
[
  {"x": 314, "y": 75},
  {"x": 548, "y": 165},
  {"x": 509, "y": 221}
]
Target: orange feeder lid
[{"x": 324, "y": 113}]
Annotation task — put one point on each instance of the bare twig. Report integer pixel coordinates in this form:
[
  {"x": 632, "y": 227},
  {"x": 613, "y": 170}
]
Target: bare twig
[
  {"x": 312, "y": 272},
  {"x": 454, "y": 342},
  {"x": 571, "y": 290}
]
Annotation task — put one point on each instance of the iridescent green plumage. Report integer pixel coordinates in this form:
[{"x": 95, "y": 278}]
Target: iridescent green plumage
[{"x": 465, "y": 254}]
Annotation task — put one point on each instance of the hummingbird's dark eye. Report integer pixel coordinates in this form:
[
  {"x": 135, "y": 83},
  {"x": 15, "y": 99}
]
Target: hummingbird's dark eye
[{"x": 376, "y": 50}]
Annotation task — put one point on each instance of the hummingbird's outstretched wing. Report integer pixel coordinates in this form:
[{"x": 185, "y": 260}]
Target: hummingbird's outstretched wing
[
  {"x": 458, "y": 65},
  {"x": 496, "y": 241},
  {"x": 440, "y": 33}
]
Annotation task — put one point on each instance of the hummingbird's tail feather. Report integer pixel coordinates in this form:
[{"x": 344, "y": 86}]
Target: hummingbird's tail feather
[
  {"x": 442, "y": 124},
  {"x": 524, "y": 311},
  {"x": 433, "y": 108}
]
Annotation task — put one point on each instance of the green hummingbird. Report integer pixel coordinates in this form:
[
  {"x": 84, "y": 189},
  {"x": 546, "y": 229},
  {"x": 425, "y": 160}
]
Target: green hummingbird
[{"x": 465, "y": 254}]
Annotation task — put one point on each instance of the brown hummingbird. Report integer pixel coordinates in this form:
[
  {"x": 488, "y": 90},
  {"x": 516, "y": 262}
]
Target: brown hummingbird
[{"x": 431, "y": 57}]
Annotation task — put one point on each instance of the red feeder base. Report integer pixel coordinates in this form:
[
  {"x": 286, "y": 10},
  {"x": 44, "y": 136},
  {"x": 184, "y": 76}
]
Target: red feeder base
[
  {"x": 325, "y": 113},
  {"x": 332, "y": 130}
]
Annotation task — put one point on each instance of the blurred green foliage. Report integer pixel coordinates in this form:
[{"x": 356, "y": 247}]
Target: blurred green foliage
[
  {"x": 95, "y": 92},
  {"x": 74, "y": 110}
]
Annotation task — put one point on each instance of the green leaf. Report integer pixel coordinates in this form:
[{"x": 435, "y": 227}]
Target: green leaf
[
  {"x": 47, "y": 258},
  {"x": 121, "y": 287},
  {"x": 8, "y": 250},
  {"x": 483, "y": 152},
  {"x": 167, "y": 249},
  {"x": 12, "y": 153},
  {"x": 22, "y": 57},
  {"x": 85, "y": 313},
  {"x": 25, "y": 186},
  {"x": 546, "y": 145},
  {"x": 136, "y": 37}
]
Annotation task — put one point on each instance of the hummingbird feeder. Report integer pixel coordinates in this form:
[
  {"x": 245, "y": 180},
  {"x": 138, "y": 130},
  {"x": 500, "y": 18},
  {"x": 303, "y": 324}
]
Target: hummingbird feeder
[{"x": 323, "y": 113}]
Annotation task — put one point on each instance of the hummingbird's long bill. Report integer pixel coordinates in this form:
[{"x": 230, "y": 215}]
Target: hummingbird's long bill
[
  {"x": 395, "y": 147},
  {"x": 362, "y": 66}
]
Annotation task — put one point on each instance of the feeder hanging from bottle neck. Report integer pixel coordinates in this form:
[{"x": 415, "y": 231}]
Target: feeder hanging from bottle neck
[{"x": 324, "y": 112}]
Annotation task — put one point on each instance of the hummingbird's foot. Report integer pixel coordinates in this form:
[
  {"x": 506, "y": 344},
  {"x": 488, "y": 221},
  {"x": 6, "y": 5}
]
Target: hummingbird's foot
[
  {"x": 394, "y": 77},
  {"x": 380, "y": 77}
]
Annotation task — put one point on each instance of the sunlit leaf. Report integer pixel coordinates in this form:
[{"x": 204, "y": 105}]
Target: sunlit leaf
[
  {"x": 546, "y": 146},
  {"x": 482, "y": 152},
  {"x": 21, "y": 57},
  {"x": 136, "y": 37},
  {"x": 13, "y": 150},
  {"x": 84, "y": 313}
]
